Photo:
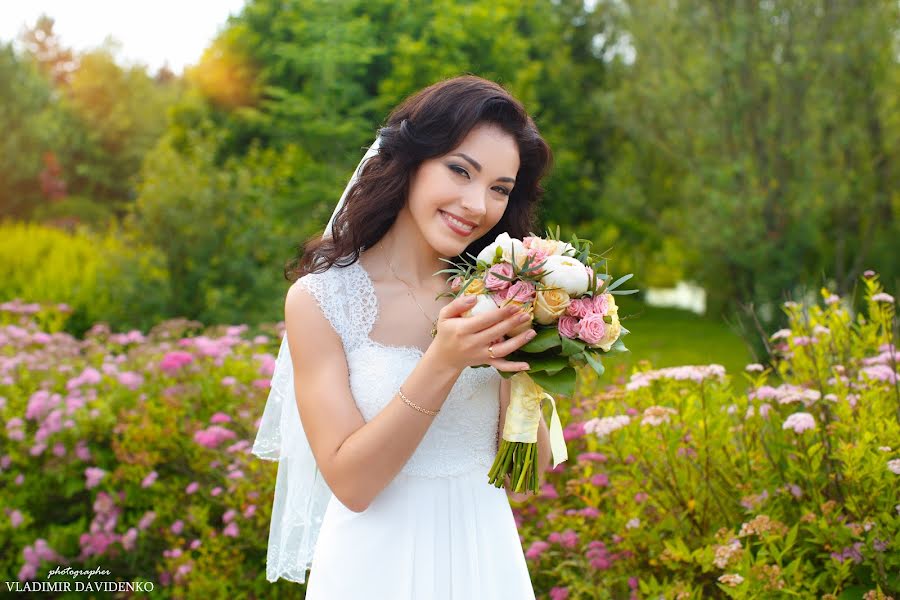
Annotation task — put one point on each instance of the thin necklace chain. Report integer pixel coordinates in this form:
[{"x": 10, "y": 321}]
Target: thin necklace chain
[{"x": 409, "y": 290}]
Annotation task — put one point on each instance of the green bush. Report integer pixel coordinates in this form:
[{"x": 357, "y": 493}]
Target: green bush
[
  {"x": 685, "y": 489},
  {"x": 98, "y": 276},
  {"x": 132, "y": 453}
]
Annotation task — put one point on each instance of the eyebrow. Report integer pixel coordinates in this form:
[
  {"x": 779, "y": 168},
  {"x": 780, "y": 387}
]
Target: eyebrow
[{"x": 478, "y": 166}]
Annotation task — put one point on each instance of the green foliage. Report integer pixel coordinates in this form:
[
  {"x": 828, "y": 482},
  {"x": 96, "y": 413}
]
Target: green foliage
[
  {"x": 76, "y": 123},
  {"x": 27, "y": 118},
  {"x": 98, "y": 277},
  {"x": 758, "y": 136},
  {"x": 685, "y": 487},
  {"x": 225, "y": 230}
]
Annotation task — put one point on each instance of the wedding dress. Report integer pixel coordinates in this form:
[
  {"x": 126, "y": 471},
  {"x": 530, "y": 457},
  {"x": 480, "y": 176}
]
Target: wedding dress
[{"x": 439, "y": 530}]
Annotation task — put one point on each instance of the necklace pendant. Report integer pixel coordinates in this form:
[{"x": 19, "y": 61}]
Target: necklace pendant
[{"x": 434, "y": 330}]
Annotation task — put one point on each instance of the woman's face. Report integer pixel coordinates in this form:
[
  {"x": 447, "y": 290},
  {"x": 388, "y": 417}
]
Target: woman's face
[{"x": 457, "y": 198}]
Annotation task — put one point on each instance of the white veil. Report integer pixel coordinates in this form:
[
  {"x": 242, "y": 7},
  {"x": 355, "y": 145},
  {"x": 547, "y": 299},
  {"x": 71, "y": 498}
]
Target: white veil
[{"x": 301, "y": 494}]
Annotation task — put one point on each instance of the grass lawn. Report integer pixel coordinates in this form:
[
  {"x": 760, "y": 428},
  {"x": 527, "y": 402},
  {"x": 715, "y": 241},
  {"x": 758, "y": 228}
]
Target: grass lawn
[{"x": 669, "y": 337}]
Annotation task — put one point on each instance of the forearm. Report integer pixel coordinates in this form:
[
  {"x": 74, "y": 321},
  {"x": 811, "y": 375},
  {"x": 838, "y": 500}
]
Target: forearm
[{"x": 373, "y": 455}]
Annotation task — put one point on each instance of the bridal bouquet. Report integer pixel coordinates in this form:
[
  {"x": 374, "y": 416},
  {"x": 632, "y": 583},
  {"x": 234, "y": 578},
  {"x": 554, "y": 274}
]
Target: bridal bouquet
[{"x": 576, "y": 319}]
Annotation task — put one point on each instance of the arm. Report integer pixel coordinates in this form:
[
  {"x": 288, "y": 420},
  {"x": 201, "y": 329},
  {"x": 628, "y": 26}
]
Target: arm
[
  {"x": 543, "y": 442},
  {"x": 357, "y": 459}
]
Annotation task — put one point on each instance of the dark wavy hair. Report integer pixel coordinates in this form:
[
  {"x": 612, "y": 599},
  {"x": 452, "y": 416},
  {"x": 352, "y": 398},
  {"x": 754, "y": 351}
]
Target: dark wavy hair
[{"x": 428, "y": 124}]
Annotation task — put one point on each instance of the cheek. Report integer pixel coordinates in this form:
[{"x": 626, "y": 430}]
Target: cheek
[{"x": 427, "y": 190}]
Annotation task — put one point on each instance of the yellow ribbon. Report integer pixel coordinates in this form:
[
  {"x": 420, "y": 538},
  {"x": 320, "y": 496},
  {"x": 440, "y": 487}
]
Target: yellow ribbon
[{"x": 523, "y": 417}]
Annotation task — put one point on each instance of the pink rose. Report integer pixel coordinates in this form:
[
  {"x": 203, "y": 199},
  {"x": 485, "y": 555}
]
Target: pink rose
[
  {"x": 456, "y": 283},
  {"x": 568, "y": 327},
  {"x": 520, "y": 291},
  {"x": 580, "y": 308},
  {"x": 600, "y": 304},
  {"x": 494, "y": 283},
  {"x": 528, "y": 240},
  {"x": 537, "y": 257},
  {"x": 592, "y": 328},
  {"x": 499, "y": 297}
]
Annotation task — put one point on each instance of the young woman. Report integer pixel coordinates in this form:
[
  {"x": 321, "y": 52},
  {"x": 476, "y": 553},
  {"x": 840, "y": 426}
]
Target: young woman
[{"x": 386, "y": 403}]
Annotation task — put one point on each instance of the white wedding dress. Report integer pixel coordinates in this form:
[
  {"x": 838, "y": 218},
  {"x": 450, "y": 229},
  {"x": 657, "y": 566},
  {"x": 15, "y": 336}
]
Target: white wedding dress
[{"x": 439, "y": 530}]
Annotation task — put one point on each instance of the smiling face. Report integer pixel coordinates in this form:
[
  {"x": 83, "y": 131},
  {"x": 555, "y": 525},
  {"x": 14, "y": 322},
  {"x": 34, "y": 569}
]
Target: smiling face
[{"x": 456, "y": 198}]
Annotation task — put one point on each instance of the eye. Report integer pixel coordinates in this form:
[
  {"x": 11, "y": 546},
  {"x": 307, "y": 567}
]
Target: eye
[
  {"x": 503, "y": 190},
  {"x": 460, "y": 170}
]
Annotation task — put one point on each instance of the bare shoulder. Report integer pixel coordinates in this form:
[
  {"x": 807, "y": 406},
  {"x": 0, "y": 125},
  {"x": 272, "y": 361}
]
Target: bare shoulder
[{"x": 321, "y": 380}]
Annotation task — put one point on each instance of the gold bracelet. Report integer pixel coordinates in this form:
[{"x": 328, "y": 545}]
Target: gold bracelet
[{"x": 416, "y": 406}]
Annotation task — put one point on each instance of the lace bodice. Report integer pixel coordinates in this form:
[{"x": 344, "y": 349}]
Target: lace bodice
[{"x": 463, "y": 435}]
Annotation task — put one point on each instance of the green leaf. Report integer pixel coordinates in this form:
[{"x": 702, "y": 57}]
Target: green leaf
[
  {"x": 618, "y": 346},
  {"x": 550, "y": 364},
  {"x": 562, "y": 383},
  {"x": 570, "y": 346},
  {"x": 619, "y": 281},
  {"x": 593, "y": 359}
]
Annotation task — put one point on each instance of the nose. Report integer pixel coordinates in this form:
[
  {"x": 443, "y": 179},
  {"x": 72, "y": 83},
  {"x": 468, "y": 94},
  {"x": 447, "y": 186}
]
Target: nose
[{"x": 474, "y": 203}]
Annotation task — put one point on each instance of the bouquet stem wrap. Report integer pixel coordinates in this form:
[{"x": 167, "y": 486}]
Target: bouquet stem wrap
[{"x": 517, "y": 455}]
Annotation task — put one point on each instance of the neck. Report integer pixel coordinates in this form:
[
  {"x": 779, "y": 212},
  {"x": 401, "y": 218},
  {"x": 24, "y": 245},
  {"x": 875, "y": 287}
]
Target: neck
[{"x": 409, "y": 253}]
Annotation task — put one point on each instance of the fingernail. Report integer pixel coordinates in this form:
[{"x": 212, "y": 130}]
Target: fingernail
[
  {"x": 525, "y": 368},
  {"x": 531, "y": 334}
]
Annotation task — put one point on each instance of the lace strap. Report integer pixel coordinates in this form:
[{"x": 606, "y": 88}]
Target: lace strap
[{"x": 343, "y": 295}]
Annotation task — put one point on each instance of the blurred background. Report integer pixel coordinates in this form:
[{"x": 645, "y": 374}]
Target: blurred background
[{"x": 163, "y": 160}]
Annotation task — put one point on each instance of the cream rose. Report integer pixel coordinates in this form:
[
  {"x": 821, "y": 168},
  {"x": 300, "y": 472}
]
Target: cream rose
[
  {"x": 550, "y": 247},
  {"x": 567, "y": 273},
  {"x": 549, "y": 305},
  {"x": 613, "y": 330},
  {"x": 476, "y": 286}
]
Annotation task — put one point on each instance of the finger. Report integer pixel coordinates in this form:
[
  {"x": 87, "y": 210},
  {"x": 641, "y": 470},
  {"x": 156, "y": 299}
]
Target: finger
[
  {"x": 482, "y": 321},
  {"x": 503, "y": 327},
  {"x": 514, "y": 343},
  {"x": 507, "y": 365},
  {"x": 457, "y": 307}
]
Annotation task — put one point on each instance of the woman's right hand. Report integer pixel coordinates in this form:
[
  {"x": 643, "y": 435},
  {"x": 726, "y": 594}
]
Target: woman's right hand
[{"x": 463, "y": 341}]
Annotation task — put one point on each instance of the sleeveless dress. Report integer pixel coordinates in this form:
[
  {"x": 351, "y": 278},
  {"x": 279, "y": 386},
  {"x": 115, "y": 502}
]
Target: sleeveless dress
[{"x": 439, "y": 530}]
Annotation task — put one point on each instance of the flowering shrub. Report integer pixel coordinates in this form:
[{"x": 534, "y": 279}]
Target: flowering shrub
[
  {"x": 131, "y": 452},
  {"x": 683, "y": 488}
]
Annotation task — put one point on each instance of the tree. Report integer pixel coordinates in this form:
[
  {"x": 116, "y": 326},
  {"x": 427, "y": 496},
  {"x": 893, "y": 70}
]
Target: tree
[{"x": 769, "y": 128}]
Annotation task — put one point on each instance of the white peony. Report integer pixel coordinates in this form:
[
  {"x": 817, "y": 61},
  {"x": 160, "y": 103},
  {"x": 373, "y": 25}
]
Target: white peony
[
  {"x": 567, "y": 273},
  {"x": 508, "y": 244},
  {"x": 483, "y": 304}
]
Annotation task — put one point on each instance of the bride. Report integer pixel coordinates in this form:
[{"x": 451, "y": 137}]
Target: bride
[{"x": 386, "y": 402}]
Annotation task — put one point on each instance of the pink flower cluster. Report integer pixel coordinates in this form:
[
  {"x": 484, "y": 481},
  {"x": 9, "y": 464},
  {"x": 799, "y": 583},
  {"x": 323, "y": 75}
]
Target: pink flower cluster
[
  {"x": 132, "y": 337},
  {"x": 584, "y": 319},
  {"x": 173, "y": 361},
  {"x": 33, "y": 555},
  {"x": 217, "y": 348},
  {"x": 696, "y": 373},
  {"x": 786, "y": 393},
  {"x": 536, "y": 549},
  {"x": 90, "y": 376},
  {"x": 101, "y": 533},
  {"x": 799, "y": 422},
  {"x": 213, "y": 436},
  {"x": 566, "y": 539}
]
